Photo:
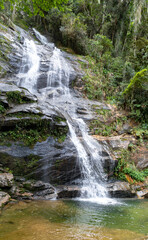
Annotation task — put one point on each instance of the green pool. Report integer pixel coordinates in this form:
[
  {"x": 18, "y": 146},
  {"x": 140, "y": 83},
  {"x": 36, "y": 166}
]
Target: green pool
[{"x": 77, "y": 220}]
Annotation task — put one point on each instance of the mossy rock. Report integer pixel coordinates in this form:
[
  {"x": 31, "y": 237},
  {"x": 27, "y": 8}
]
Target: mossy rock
[{"x": 20, "y": 166}]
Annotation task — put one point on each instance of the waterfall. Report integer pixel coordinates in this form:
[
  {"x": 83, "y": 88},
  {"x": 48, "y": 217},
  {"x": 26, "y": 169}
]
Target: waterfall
[
  {"x": 30, "y": 66},
  {"x": 58, "y": 94}
]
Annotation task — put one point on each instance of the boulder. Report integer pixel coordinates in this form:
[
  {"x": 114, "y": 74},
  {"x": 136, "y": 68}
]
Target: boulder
[
  {"x": 142, "y": 194},
  {"x": 141, "y": 158},
  {"x": 4, "y": 198},
  {"x": 6, "y": 180},
  {"x": 37, "y": 185},
  {"x": 116, "y": 142},
  {"x": 40, "y": 189},
  {"x": 69, "y": 192},
  {"x": 45, "y": 194},
  {"x": 126, "y": 128},
  {"x": 120, "y": 190}
]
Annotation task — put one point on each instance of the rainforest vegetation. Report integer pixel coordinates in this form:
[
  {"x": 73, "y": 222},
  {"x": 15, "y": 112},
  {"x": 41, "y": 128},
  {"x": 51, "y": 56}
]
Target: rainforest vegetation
[{"x": 112, "y": 37}]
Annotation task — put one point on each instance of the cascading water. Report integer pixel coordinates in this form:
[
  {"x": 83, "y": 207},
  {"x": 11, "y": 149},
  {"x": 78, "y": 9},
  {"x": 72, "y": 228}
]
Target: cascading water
[
  {"x": 30, "y": 66},
  {"x": 58, "y": 94}
]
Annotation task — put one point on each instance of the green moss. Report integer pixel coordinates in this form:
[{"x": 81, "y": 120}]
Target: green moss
[
  {"x": 33, "y": 130},
  {"x": 20, "y": 166},
  {"x": 62, "y": 138},
  {"x": 25, "y": 114},
  {"x": 58, "y": 163},
  {"x": 5, "y": 48},
  {"x": 2, "y": 109},
  {"x": 135, "y": 96},
  {"x": 21, "y": 23},
  {"x": 59, "y": 119},
  {"x": 17, "y": 97}
]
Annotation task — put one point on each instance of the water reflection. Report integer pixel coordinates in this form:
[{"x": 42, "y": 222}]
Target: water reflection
[{"x": 65, "y": 220}]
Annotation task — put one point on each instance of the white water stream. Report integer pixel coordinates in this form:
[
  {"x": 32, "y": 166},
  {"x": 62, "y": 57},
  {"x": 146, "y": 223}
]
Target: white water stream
[{"x": 58, "y": 94}]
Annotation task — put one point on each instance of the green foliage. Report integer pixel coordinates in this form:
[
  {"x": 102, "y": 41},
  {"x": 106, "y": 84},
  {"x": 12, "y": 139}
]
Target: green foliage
[
  {"x": 21, "y": 166},
  {"x": 141, "y": 131},
  {"x": 124, "y": 168},
  {"x": 73, "y": 32},
  {"x": 135, "y": 95},
  {"x": 33, "y": 130},
  {"x": 106, "y": 124},
  {"x": 98, "y": 46},
  {"x": 17, "y": 97},
  {"x": 34, "y": 7},
  {"x": 2, "y": 109}
]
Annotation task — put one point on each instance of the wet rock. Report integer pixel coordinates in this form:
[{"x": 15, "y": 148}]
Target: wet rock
[
  {"x": 142, "y": 194},
  {"x": 44, "y": 66},
  {"x": 42, "y": 81},
  {"x": 4, "y": 198},
  {"x": 120, "y": 190},
  {"x": 6, "y": 180},
  {"x": 26, "y": 196},
  {"x": 82, "y": 111},
  {"x": 45, "y": 194},
  {"x": 55, "y": 162},
  {"x": 69, "y": 192},
  {"x": 40, "y": 190},
  {"x": 19, "y": 192},
  {"x": 24, "y": 93},
  {"x": 19, "y": 179},
  {"x": 126, "y": 128},
  {"x": 141, "y": 158},
  {"x": 39, "y": 185},
  {"x": 14, "y": 190}
]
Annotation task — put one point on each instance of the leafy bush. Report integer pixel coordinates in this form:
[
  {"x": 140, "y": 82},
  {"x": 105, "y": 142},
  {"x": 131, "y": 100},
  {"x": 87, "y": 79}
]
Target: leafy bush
[
  {"x": 73, "y": 32},
  {"x": 141, "y": 131},
  {"x": 124, "y": 168},
  {"x": 135, "y": 95},
  {"x": 98, "y": 46}
]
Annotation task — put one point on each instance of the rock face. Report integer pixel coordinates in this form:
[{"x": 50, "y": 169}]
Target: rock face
[
  {"x": 50, "y": 161},
  {"x": 6, "y": 180},
  {"x": 52, "y": 157},
  {"x": 6, "y": 88},
  {"x": 141, "y": 158}
]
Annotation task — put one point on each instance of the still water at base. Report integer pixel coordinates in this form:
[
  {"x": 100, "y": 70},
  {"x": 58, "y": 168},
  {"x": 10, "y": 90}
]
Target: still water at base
[{"x": 65, "y": 220}]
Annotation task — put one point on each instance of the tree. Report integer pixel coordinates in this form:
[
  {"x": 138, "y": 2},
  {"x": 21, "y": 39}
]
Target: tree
[{"x": 34, "y": 7}]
